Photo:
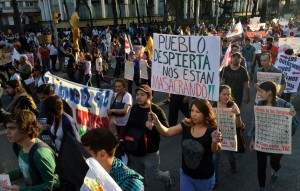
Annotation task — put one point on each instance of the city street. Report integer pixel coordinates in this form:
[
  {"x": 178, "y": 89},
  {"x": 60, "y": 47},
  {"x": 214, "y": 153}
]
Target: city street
[{"x": 244, "y": 179}]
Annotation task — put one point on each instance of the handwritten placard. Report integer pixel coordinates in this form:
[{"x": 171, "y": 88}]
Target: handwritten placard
[
  {"x": 268, "y": 76},
  {"x": 144, "y": 69},
  {"x": 186, "y": 65},
  {"x": 273, "y": 133},
  {"x": 290, "y": 67},
  {"x": 129, "y": 70},
  {"x": 226, "y": 122}
]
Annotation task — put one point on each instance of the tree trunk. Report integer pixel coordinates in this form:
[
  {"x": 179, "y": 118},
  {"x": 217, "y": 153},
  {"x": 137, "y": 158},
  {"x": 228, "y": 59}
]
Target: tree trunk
[
  {"x": 188, "y": 14},
  {"x": 180, "y": 11},
  {"x": 286, "y": 7},
  {"x": 217, "y": 11},
  {"x": 137, "y": 11},
  {"x": 120, "y": 12},
  {"x": 263, "y": 11},
  {"x": 148, "y": 12},
  {"x": 90, "y": 12},
  {"x": 77, "y": 6},
  {"x": 17, "y": 18},
  {"x": 114, "y": 10},
  {"x": 247, "y": 7},
  {"x": 254, "y": 8},
  {"x": 196, "y": 12},
  {"x": 66, "y": 8},
  {"x": 165, "y": 12}
]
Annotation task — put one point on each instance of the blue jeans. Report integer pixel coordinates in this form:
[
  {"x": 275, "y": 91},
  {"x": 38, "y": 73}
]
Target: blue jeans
[
  {"x": 148, "y": 167},
  {"x": 46, "y": 64},
  {"x": 190, "y": 184},
  {"x": 230, "y": 156},
  {"x": 87, "y": 81},
  {"x": 249, "y": 69}
]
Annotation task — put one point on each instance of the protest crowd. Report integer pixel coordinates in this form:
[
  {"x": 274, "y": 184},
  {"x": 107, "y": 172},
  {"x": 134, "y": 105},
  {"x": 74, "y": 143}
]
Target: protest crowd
[{"x": 110, "y": 126}]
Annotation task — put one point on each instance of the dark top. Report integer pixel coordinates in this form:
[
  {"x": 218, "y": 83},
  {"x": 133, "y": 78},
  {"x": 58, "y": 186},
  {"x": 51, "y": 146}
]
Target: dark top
[
  {"x": 137, "y": 119},
  {"x": 235, "y": 79},
  {"x": 197, "y": 156}
]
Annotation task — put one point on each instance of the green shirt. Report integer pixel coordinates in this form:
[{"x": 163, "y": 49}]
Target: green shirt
[{"x": 44, "y": 161}]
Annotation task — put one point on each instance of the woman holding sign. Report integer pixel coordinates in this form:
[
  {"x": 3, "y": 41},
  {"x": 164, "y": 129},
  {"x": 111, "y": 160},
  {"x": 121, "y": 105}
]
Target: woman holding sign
[
  {"x": 268, "y": 97},
  {"x": 226, "y": 101},
  {"x": 200, "y": 139}
]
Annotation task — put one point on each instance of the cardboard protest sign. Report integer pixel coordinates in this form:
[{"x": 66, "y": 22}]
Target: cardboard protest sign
[
  {"x": 290, "y": 67},
  {"x": 283, "y": 22},
  {"x": 268, "y": 76},
  {"x": 256, "y": 26},
  {"x": 186, "y": 65},
  {"x": 289, "y": 43},
  {"x": 129, "y": 70},
  {"x": 4, "y": 181},
  {"x": 226, "y": 122},
  {"x": 273, "y": 129},
  {"x": 89, "y": 105},
  {"x": 144, "y": 69}
]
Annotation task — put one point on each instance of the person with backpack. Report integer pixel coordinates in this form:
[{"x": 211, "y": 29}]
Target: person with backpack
[
  {"x": 142, "y": 144},
  {"x": 269, "y": 97},
  {"x": 37, "y": 165},
  {"x": 21, "y": 99}
]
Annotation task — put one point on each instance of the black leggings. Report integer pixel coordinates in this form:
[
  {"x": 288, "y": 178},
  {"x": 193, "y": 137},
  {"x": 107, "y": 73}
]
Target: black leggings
[{"x": 262, "y": 165}]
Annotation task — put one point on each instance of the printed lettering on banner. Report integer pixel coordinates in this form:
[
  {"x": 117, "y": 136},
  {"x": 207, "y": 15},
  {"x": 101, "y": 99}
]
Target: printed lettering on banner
[
  {"x": 144, "y": 69},
  {"x": 226, "y": 122},
  {"x": 267, "y": 76},
  {"x": 273, "y": 129},
  {"x": 129, "y": 70},
  {"x": 89, "y": 105},
  {"x": 290, "y": 67},
  {"x": 186, "y": 65}
]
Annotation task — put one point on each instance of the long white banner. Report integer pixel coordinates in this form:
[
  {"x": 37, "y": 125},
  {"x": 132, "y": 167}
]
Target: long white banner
[{"x": 89, "y": 105}]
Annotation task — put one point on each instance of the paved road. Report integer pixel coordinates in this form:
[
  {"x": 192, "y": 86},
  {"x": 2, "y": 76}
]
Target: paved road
[{"x": 244, "y": 180}]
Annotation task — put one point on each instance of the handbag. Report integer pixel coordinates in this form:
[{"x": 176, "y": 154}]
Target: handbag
[
  {"x": 118, "y": 105},
  {"x": 240, "y": 140}
]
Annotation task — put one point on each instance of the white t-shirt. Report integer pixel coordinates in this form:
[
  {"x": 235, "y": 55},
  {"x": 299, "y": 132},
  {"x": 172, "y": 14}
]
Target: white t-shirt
[
  {"x": 127, "y": 99},
  {"x": 16, "y": 76},
  {"x": 99, "y": 64}
]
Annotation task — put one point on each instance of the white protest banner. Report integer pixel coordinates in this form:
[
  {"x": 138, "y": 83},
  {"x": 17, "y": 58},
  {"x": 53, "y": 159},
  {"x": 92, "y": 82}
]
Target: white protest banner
[
  {"x": 144, "y": 69},
  {"x": 129, "y": 70},
  {"x": 268, "y": 76},
  {"x": 290, "y": 66},
  {"x": 287, "y": 43},
  {"x": 283, "y": 22},
  {"x": 89, "y": 105},
  {"x": 4, "y": 181},
  {"x": 186, "y": 65},
  {"x": 226, "y": 122},
  {"x": 254, "y": 20},
  {"x": 256, "y": 27},
  {"x": 273, "y": 129}
]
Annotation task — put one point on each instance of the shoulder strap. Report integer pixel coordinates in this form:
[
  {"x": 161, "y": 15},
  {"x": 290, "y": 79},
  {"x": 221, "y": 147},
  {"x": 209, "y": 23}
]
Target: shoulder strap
[{"x": 33, "y": 149}]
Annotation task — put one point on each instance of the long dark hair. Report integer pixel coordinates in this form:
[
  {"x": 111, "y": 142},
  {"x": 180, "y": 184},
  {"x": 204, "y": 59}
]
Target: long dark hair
[
  {"x": 205, "y": 108},
  {"x": 54, "y": 106},
  {"x": 269, "y": 86}
]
